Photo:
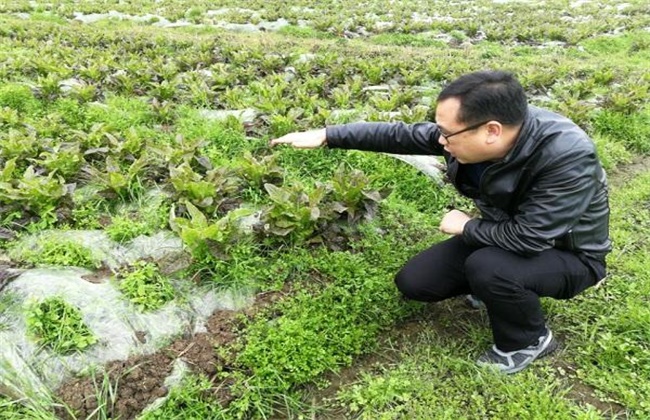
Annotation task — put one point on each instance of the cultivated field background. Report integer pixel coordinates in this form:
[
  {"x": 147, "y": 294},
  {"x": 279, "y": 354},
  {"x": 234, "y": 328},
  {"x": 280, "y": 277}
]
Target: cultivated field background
[{"x": 128, "y": 128}]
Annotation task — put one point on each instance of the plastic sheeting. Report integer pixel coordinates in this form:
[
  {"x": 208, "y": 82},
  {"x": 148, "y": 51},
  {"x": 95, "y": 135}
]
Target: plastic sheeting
[{"x": 29, "y": 371}]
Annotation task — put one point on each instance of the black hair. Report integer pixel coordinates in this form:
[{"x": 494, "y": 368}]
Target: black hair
[{"x": 488, "y": 95}]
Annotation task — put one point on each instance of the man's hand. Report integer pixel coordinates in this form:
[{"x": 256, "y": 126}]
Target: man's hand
[
  {"x": 303, "y": 140},
  {"x": 453, "y": 222}
]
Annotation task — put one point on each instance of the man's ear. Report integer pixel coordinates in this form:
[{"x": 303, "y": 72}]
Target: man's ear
[{"x": 494, "y": 129}]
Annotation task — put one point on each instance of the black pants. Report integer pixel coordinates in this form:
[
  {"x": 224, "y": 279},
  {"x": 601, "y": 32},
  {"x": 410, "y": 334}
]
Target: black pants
[{"x": 510, "y": 285}]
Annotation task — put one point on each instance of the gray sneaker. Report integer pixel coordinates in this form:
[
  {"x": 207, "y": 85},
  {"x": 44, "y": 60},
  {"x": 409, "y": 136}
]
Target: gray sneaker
[{"x": 514, "y": 361}]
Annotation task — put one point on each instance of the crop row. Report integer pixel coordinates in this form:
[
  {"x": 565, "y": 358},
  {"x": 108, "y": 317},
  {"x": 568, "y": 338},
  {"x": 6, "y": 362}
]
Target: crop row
[
  {"x": 494, "y": 21},
  {"x": 296, "y": 84}
]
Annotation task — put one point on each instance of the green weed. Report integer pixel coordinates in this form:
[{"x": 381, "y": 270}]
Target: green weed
[
  {"x": 58, "y": 325},
  {"x": 611, "y": 153},
  {"x": 15, "y": 409},
  {"x": 145, "y": 286},
  {"x": 19, "y": 98},
  {"x": 58, "y": 252},
  {"x": 125, "y": 228},
  {"x": 633, "y": 130},
  {"x": 193, "y": 398}
]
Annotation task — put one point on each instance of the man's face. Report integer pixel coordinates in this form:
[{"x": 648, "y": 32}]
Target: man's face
[{"x": 467, "y": 143}]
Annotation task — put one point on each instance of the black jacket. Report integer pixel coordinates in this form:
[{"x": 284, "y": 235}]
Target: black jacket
[{"x": 549, "y": 191}]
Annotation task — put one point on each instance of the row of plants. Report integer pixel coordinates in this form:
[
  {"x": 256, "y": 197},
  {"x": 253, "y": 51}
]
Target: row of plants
[
  {"x": 514, "y": 21},
  {"x": 226, "y": 73}
]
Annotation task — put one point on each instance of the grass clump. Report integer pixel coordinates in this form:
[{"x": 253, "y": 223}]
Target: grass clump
[
  {"x": 14, "y": 409},
  {"x": 633, "y": 130},
  {"x": 58, "y": 325},
  {"x": 124, "y": 228},
  {"x": 59, "y": 252},
  {"x": 611, "y": 153},
  {"x": 145, "y": 286},
  {"x": 193, "y": 397},
  {"x": 18, "y": 97}
]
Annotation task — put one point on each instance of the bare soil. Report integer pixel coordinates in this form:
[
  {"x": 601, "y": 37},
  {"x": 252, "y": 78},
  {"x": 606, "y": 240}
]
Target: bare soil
[{"x": 139, "y": 381}]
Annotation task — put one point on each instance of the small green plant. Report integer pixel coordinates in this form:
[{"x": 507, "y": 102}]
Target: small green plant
[
  {"x": 58, "y": 325},
  {"x": 18, "y": 97},
  {"x": 352, "y": 194},
  {"x": 295, "y": 213},
  {"x": 379, "y": 392},
  {"x": 193, "y": 397},
  {"x": 611, "y": 152},
  {"x": 145, "y": 286},
  {"x": 36, "y": 193},
  {"x": 19, "y": 144},
  {"x": 59, "y": 252},
  {"x": 122, "y": 182},
  {"x": 257, "y": 172},
  {"x": 206, "y": 239},
  {"x": 125, "y": 228},
  {"x": 205, "y": 191},
  {"x": 64, "y": 160},
  {"x": 280, "y": 125}
]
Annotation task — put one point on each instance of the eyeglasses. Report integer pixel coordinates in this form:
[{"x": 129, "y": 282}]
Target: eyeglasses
[{"x": 471, "y": 127}]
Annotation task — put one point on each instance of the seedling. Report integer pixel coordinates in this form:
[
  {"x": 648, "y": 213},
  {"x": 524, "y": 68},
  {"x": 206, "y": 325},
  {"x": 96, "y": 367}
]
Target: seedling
[
  {"x": 145, "y": 286},
  {"x": 58, "y": 325}
]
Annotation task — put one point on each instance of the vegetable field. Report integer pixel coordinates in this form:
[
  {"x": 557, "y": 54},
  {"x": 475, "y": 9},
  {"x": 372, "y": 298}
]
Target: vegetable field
[{"x": 158, "y": 260}]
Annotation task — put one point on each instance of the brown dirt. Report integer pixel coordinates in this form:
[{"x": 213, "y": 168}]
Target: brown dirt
[
  {"x": 6, "y": 275},
  {"x": 586, "y": 394},
  {"x": 139, "y": 381},
  {"x": 623, "y": 174},
  {"x": 99, "y": 276}
]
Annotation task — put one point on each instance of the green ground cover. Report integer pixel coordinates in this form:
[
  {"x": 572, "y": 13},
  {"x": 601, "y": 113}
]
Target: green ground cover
[{"x": 95, "y": 116}]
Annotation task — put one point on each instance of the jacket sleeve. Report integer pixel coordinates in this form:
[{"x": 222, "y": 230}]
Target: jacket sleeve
[
  {"x": 399, "y": 138},
  {"x": 553, "y": 205}
]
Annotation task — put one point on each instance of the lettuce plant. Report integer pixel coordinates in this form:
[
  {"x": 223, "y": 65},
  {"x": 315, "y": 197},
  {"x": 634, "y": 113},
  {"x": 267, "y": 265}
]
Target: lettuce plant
[
  {"x": 38, "y": 194},
  {"x": 206, "y": 239},
  {"x": 295, "y": 213},
  {"x": 257, "y": 172},
  {"x": 352, "y": 194},
  {"x": 205, "y": 191},
  {"x": 122, "y": 182}
]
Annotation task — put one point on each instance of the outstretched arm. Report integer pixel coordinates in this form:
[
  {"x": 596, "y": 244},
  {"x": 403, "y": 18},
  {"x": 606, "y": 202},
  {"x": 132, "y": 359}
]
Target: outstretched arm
[
  {"x": 400, "y": 138},
  {"x": 303, "y": 140}
]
